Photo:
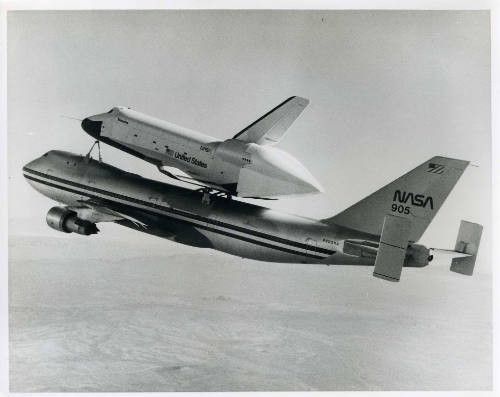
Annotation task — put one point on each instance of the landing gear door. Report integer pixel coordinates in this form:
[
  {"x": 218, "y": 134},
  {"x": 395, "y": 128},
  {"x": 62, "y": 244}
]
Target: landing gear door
[{"x": 392, "y": 248}]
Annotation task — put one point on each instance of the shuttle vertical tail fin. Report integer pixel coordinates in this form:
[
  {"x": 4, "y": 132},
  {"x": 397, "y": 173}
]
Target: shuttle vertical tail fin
[{"x": 270, "y": 128}]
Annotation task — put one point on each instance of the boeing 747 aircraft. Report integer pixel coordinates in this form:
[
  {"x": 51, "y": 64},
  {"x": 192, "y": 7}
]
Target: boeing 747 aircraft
[{"x": 382, "y": 230}]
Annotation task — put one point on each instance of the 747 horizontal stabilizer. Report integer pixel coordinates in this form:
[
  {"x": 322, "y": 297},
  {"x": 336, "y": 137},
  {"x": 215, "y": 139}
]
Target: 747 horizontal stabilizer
[
  {"x": 466, "y": 247},
  {"x": 392, "y": 249}
]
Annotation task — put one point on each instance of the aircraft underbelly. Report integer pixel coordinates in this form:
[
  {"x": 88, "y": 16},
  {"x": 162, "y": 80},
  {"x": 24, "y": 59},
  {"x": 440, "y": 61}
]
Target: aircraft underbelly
[
  {"x": 252, "y": 250},
  {"x": 280, "y": 254},
  {"x": 170, "y": 229},
  {"x": 205, "y": 236}
]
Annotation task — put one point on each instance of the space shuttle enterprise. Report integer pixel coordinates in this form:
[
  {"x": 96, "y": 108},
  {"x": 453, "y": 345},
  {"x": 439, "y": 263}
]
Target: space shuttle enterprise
[{"x": 247, "y": 165}]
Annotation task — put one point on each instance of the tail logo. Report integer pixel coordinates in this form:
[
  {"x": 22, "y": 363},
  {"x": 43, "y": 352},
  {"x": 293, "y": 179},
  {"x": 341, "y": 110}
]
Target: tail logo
[
  {"x": 418, "y": 200},
  {"x": 435, "y": 168}
]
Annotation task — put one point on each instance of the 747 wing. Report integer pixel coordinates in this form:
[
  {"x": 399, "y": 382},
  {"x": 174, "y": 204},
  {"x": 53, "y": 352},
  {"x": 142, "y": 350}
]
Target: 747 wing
[{"x": 95, "y": 211}]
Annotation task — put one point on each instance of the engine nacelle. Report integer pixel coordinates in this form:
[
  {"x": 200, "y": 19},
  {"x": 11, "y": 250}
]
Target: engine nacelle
[{"x": 64, "y": 220}]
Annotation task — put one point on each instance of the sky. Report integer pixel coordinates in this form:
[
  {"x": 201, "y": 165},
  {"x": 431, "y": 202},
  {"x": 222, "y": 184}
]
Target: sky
[{"x": 388, "y": 91}]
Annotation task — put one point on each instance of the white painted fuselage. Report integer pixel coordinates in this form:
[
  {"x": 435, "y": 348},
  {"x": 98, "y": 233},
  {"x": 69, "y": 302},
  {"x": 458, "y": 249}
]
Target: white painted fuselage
[
  {"x": 238, "y": 167},
  {"x": 179, "y": 214}
]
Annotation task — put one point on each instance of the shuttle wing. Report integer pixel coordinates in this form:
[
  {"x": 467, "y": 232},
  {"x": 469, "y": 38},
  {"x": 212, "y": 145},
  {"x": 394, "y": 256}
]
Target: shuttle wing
[{"x": 271, "y": 127}]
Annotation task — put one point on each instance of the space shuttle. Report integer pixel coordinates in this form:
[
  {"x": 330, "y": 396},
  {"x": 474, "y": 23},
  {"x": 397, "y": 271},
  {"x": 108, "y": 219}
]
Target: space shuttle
[{"x": 246, "y": 165}]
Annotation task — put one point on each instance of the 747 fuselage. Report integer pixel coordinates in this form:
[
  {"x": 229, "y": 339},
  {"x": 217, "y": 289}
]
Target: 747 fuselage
[{"x": 368, "y": 233}]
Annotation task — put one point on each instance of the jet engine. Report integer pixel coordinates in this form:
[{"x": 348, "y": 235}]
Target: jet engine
[{"x": 64, "y": 220}]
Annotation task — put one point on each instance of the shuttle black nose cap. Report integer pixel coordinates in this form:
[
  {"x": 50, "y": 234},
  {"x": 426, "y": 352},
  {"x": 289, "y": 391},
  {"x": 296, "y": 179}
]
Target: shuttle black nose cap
[{"x": 93, "y": 128}]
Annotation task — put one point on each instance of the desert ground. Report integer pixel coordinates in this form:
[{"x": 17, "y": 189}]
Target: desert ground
[{"x": 104, "y": 314}]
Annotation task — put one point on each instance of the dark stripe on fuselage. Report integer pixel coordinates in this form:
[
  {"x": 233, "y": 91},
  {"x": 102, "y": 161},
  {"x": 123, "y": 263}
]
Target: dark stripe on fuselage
[
  {"x": 158, "y": 207},
  {"x": 184, "y": 213}
]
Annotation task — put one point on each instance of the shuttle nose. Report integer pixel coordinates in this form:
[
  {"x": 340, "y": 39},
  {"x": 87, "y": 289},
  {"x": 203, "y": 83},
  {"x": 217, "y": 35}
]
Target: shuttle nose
[{"x": 93, "y": 128}]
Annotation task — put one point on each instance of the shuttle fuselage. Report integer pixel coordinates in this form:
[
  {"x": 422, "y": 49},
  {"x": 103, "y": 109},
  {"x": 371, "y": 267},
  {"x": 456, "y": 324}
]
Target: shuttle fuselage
[{"x": 237, "y": 166}]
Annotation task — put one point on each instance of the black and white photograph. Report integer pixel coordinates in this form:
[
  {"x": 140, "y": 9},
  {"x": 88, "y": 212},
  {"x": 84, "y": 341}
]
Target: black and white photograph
[{"x": 249, "y": 200}]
